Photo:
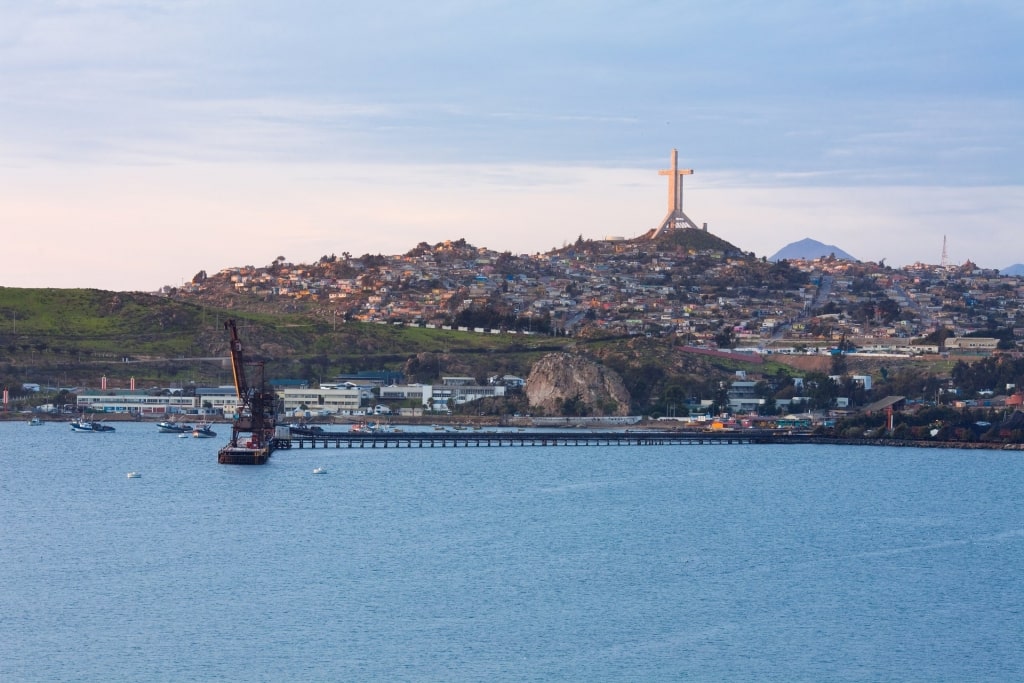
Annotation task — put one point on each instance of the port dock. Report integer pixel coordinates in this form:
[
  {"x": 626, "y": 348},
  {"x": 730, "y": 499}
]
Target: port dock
[{"x": 488, "y": 439}]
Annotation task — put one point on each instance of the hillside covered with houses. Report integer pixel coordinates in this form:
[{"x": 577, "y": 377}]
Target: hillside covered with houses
[
  {"x": 675, "y": 327},
  {"x": 685, "y": 283}
]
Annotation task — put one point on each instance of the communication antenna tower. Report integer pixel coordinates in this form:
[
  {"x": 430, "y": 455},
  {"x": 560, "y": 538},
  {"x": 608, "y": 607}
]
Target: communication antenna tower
[{"x": 945, "y": 255}]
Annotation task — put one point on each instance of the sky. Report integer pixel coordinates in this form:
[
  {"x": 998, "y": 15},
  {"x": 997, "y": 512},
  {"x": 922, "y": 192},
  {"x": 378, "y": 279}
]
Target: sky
[{"x": 144, "y": 141}]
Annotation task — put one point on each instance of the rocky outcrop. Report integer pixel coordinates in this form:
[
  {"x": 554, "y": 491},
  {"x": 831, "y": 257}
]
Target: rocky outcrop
[{"x": 562, "y": 383}]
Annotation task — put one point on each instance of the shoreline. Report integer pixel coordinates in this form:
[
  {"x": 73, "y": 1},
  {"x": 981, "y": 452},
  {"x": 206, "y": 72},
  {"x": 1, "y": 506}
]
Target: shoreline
[{"x": 782, "y": 438}]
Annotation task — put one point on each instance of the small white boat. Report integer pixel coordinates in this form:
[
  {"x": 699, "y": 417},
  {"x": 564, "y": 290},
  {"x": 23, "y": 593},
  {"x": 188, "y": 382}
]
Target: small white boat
[
  {"x": 35, "y": 422},
  {"x": 320, "y": 470},
  {"x": 134, "y": 475}
]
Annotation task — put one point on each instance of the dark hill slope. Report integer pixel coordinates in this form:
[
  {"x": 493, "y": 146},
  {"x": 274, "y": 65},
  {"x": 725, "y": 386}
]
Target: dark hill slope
[{"x": 689, "y": 240}]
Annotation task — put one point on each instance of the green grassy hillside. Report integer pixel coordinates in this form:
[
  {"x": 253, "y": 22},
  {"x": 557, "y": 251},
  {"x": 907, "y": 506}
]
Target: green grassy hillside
[
  {"x": 78, "y": 335},
  {"x": 72, "y": 338}
]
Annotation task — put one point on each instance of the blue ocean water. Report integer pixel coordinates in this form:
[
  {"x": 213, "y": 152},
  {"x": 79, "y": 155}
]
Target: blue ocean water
[{"x": 655, "y": 563}]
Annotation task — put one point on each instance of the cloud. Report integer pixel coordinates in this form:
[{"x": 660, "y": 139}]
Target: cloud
[{"x": 340, "y": 127}]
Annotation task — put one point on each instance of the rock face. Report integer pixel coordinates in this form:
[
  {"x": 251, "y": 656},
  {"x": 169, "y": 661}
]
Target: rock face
[{"x": 588, "y": 387}]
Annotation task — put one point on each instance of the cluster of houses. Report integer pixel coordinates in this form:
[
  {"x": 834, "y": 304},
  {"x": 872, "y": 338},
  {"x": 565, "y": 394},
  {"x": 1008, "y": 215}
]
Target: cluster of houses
[
  {"x": 639, "y": 287},
  {"x": 884, "y": 308},
  {"x": 365, "y": 393},
  {"x": 381, "y": 393}
]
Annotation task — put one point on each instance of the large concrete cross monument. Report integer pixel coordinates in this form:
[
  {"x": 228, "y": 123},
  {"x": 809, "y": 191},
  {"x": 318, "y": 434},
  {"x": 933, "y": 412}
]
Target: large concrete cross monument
[{"x": 675, "y": 217}]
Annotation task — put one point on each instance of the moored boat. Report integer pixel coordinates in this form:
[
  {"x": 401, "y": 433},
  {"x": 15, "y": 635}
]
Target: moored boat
[
  {"x": 305, "y": 430},
  {"x": 370, "y": 427},
  {"x": 89, "y": 426},
  {"x": 171, "y": 427},
  {"x": 35, "y": 422},
  {"x": 203, "y": 431}
]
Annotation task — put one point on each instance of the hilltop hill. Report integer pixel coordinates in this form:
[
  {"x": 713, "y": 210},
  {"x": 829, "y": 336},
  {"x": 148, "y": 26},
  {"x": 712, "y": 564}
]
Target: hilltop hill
[
  {"x": 680, "y": 241},
  {"x": 637, "y": 307},
  {"x": 690, "y": 240}
]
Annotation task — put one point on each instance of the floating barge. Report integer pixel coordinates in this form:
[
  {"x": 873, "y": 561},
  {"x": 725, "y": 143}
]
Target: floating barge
[{"x": 243, "y": 455}]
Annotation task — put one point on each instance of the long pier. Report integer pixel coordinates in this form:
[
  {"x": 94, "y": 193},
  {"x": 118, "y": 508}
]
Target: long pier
[{"x": 485, "y": 439}]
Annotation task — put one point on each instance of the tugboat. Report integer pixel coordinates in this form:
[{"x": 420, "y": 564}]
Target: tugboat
[{"x": 252, "y": 432}]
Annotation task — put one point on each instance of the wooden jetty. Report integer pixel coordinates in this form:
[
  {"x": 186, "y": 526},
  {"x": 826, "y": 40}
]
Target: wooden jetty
[{"x": 485, "y": 439}]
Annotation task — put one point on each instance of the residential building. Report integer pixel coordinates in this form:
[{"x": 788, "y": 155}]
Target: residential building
[
  {"x": 135, "y": 402},
  {"x": 334, "y": 400},
  {"x": 743, "y": 398}
]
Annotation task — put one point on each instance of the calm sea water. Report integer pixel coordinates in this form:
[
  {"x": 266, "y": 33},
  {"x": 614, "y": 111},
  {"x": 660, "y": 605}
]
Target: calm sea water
[{"x": 658, "y": 563}]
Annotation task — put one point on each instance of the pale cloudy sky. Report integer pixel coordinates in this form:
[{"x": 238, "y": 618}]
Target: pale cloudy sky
[{"x": 142, "y": 141}]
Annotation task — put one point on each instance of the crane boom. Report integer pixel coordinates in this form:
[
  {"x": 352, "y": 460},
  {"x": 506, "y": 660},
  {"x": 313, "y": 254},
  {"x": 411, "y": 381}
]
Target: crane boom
[{"x": 237, "y": 362}]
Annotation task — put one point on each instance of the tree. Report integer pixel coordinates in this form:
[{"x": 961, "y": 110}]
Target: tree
[
  {"x": 821, "y": 390},
  {"x": 720, "y": 401},
  {"x": 574, "y": 406},
  {"x": 724, "y": 338},
  {"x": 938, "y": 337},
  {"x": 839, "y": 366},
  {"x": 769, "y": 407}
]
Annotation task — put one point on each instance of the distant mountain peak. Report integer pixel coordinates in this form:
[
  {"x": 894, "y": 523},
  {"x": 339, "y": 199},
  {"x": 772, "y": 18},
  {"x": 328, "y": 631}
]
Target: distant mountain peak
[{"x": 809, "y": 249}]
